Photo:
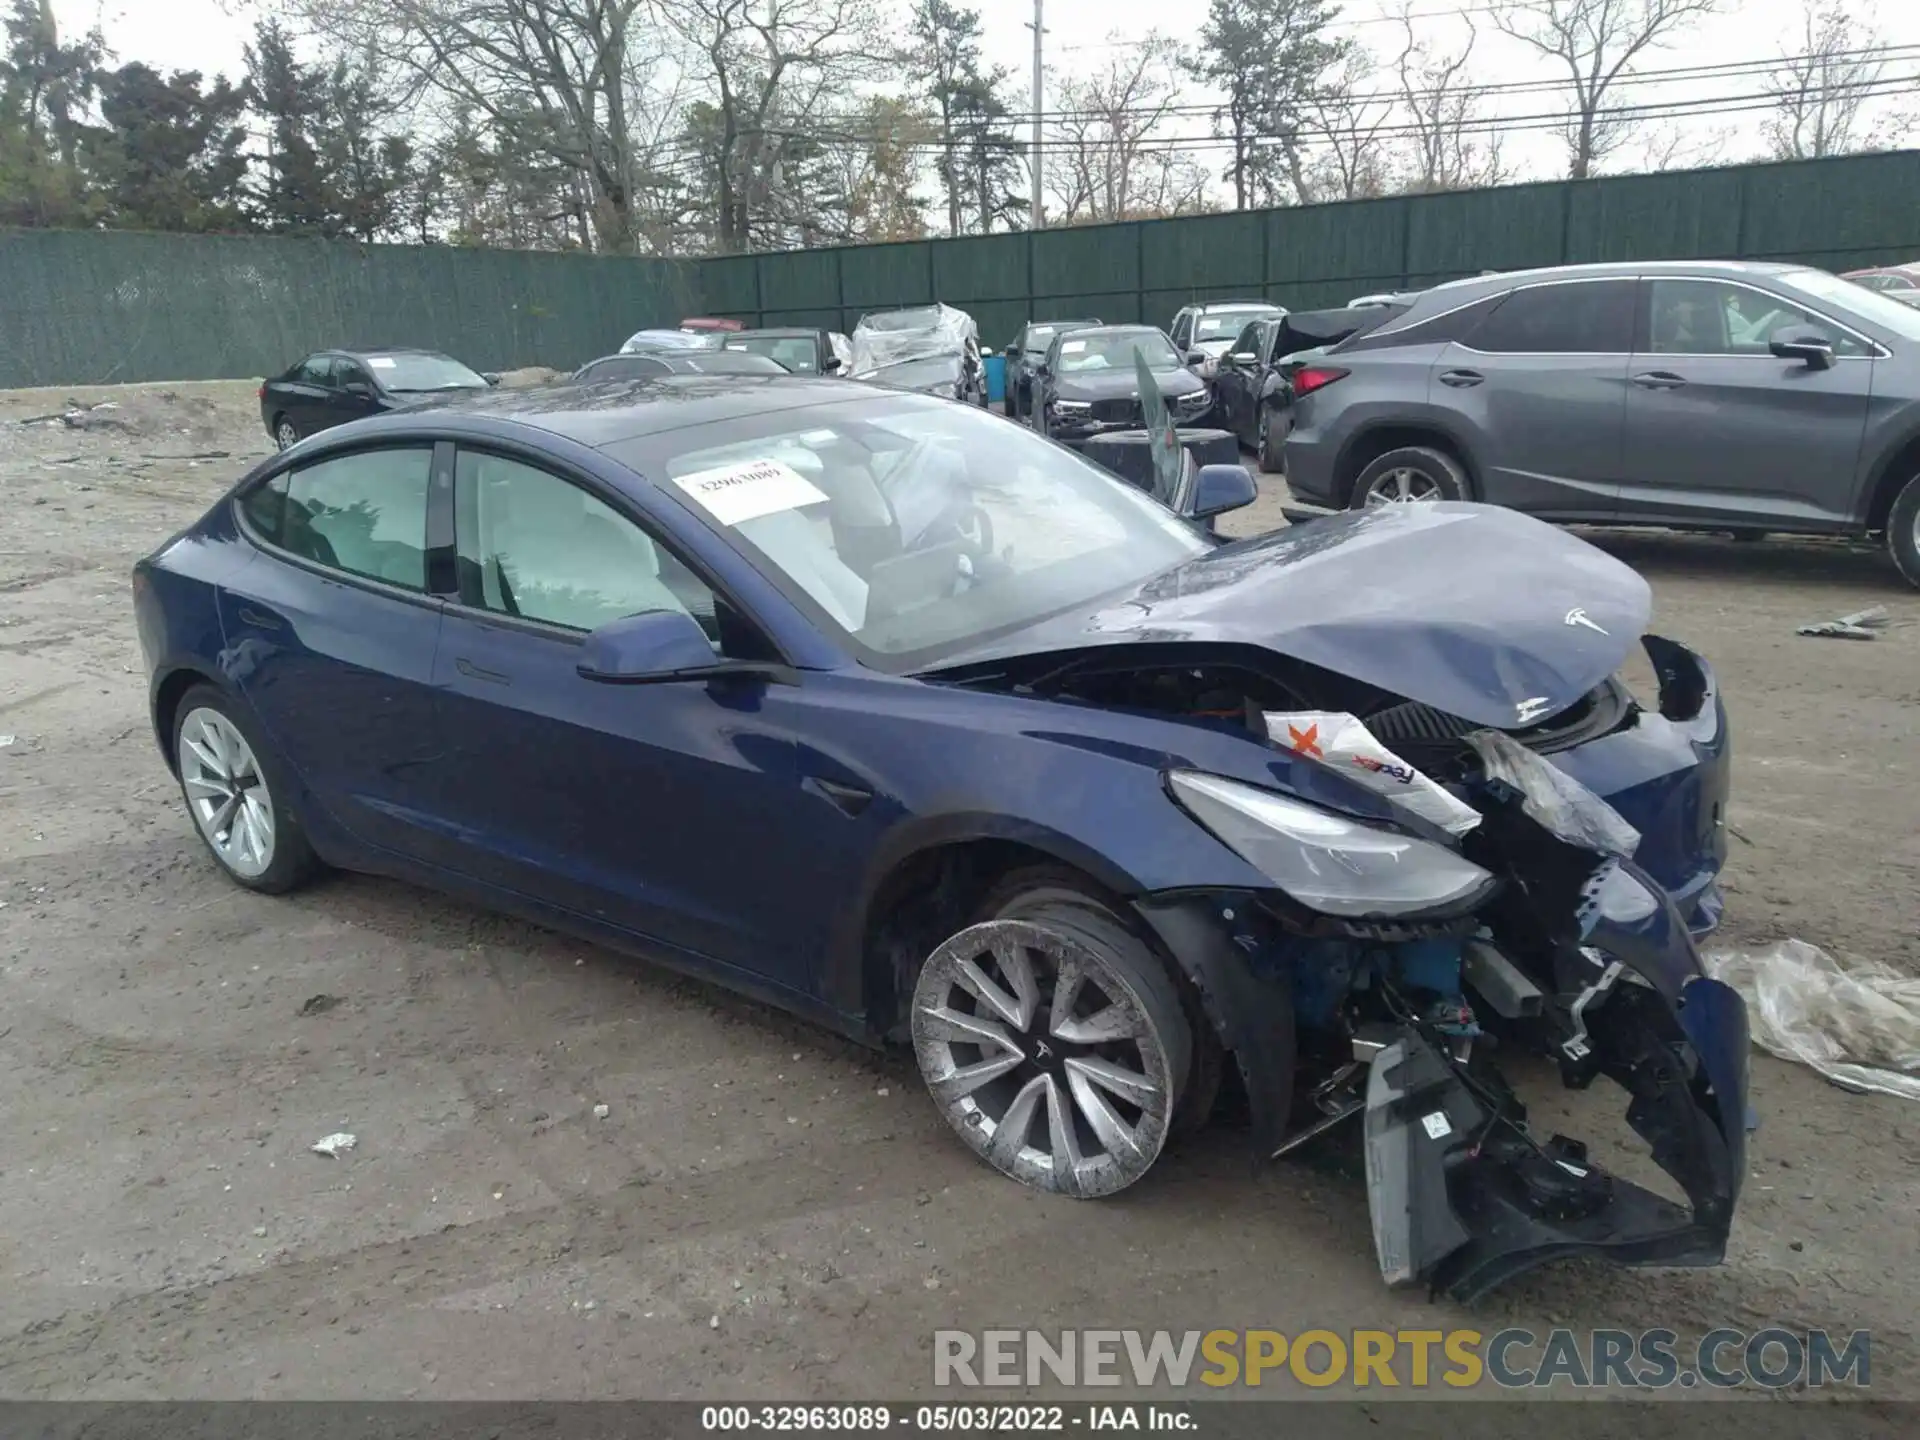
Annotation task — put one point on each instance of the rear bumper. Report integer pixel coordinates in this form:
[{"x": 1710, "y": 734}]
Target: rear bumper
[{"x": 1309, "y": 466}]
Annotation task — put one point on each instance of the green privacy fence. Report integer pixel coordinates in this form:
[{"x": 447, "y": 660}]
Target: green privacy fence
[
  {"x": 80, "y": 307},
  {"x": 1838, "y": 214},
  {"x": 93, "y": 307}
]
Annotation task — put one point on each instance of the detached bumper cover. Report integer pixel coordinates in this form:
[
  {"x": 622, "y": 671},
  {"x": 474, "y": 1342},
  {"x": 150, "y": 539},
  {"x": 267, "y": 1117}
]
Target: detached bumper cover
[{"x": 1462, "y": 1204}]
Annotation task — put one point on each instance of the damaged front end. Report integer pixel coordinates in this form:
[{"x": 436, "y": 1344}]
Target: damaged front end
[{"x": 1393, "y": 973}]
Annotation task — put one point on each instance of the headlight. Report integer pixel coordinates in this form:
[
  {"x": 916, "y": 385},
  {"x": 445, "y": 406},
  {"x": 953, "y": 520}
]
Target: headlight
[
  {"x": 1195, "y": 400},
  {"x": 1326, "y": 862},
  {"x": 1071, "y": 407}
]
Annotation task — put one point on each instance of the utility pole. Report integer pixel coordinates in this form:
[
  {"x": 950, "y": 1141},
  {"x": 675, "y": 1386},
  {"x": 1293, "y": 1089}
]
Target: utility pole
[{"x": 1036, "y": 219}]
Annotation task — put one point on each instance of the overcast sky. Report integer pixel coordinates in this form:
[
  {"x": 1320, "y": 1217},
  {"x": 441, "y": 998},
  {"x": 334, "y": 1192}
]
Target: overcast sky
[{"x": 208, "y": 35}]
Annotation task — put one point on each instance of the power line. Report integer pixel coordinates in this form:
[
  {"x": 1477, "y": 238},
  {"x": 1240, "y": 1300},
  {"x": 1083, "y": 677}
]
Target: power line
[{"x": 1726, "y": 70}]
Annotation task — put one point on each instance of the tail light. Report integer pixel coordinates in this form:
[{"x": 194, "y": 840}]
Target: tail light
[
  {"x": 1309, "y": 378},
  {"x": 261, "y": 393}
]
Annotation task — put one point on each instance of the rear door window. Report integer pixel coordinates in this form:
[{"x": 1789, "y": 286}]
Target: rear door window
[
  {"x": 363, "y": 514},
  {"x": 1584, "y": 317}
]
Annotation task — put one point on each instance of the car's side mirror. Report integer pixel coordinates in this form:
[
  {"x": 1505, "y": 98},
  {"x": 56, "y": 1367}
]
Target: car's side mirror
[
  {"x": 1196, "y": 357},
  {"x": 1220, "y": 488},
  {"x": 359, "y": 389},
  {"x": 492, "y": 377},
  {"x": 830, "y": 364},
  {"x": 657, "y": 647},
  {"x": 1243, "y": 357},
  {"x": 1012, "y": 352},
  {"x": 1801, "y": 342},
  {"x": 1043, "y": 370}
]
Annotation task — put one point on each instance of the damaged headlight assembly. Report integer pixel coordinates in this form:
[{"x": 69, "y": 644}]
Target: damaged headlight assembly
[{"x": 1328, "y": 863}]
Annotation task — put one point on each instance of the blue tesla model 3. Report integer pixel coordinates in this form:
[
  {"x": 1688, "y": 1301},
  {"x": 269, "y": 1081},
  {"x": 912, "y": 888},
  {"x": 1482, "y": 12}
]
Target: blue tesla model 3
[{"x": 900, "y": 716}]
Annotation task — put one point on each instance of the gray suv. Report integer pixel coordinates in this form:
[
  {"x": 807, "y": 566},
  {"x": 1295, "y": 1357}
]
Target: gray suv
[{"x": 1703, "y": 395}]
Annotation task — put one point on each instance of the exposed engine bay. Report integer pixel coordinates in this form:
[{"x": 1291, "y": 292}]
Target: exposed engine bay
[{"x": 1396, "y": 1024}]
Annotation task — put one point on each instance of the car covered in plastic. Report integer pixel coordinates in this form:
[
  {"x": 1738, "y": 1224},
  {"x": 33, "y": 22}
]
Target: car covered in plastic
[{"x": 932, "y": 349}]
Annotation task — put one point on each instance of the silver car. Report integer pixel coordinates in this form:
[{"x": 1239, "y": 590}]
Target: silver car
[{"x": 1702, "y": 395}]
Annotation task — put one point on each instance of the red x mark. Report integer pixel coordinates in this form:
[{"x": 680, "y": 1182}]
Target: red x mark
[{"x": 1305, "y": 742}]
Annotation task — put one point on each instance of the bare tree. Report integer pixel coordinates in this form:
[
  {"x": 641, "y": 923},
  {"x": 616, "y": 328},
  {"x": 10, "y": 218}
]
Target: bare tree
[
  {"x": 1452, "y": 147},
  {"x": 577, "y": 83},
  {"x": 1598, "y": 42},
  {"x": 1347, "y": 124},
  {"x": 1107, "y": 156},
  {"x": 776, "y": 70},
  {"x": 1681, "y": 145},
  {"x": 1828, "y": 73}
]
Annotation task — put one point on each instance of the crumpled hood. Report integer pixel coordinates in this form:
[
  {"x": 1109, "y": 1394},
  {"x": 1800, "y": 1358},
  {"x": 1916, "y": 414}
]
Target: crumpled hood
[
  {"x": 1123, "y": 383},
  {"x": 1482, "y": 612}
]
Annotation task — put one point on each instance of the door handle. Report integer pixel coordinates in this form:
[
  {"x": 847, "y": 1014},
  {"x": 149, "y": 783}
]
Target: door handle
[
  {"x": 479, "y": 672},
  {"x": 1658, "y": 380},
  {"x": 256, "y": 619},
  {"x": 1461, "y": 379}
]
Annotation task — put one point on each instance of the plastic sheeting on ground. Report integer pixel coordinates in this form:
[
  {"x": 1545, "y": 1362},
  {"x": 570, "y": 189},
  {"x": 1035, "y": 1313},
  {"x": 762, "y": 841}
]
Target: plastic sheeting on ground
[{"x": 1857, "y": 1022}]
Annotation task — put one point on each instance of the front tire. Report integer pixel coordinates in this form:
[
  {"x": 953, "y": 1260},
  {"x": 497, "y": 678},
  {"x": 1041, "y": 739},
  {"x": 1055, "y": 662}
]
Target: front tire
[
  {"x": 1411, "y": 475},
  {"x": 1053, "y": 1040},
  {"x": 1903, "y": 531},
  {"x": 235, "y": 795}
]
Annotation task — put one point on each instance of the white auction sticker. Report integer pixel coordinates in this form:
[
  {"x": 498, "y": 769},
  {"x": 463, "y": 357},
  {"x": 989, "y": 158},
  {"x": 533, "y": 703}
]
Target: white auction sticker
[
  {"x": 734, "y": 494},
  {"x": 381, "y": 362},
  {"x": 1072, "y": 347},
  {"x": 1437, "y": 1125}
]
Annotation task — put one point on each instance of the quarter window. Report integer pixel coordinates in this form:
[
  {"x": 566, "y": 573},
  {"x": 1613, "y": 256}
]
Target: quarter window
[
  {"x": 1711, "y": 317},
  {"x": 1589, "y": 317},
  {"x": 533, "y": 545},
  {"x": 364, "y": 513}
]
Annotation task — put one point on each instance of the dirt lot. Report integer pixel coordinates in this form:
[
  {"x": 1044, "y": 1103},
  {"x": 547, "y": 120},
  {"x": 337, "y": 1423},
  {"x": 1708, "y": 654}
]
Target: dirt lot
[{"x": 764, "y": 1211}]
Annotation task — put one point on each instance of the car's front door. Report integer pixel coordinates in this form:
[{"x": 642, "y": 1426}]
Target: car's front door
[
  {"x": 1234, "y": 377},
  {"x": 330, "y": 632},
  {"x": 1538, "y": 391},
  {"x": 354, "y": 393},
  {"x": 1718, "y": 427},
  {"x": 672, "y": 811}
]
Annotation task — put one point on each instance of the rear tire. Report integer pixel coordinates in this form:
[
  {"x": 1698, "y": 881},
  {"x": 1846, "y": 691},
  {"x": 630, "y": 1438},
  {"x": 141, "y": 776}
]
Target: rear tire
[
  {"x": 284, "y": 433},
  {"x": 1903, "y": 531},
  {"x": 1413, "y": 474},
  {"x": 235, "y": 791},
  {"x": 1267, "y": 449}
]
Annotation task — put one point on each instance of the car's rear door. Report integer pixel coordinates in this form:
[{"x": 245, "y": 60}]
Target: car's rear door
[
  {"x": 330, "y": 630},
  {"x": 672, "y": 811},
  {"x": 1538, "y": 389},
  {"x": 304, "y": 393},
  {"x": 1720, "y": 428}
]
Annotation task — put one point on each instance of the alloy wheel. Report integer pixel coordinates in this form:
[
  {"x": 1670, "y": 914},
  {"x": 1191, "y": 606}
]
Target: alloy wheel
[
  {"x": 1043, "y": 1057},
  {"x": 284, "y": 435},
  {"x": 227, "y": 792},
  {"x": 1403, "y": 486}
]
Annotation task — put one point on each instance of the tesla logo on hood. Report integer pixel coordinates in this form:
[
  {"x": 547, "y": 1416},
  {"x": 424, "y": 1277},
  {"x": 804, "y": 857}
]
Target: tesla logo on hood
[
  {"x": 1528, "y": 711},
  {"x": 1578, "y": 616}
]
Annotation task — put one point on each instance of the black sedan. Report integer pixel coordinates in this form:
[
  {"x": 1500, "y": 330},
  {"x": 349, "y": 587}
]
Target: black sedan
[
  {"x": 331, "y": 387},
  {"x": 640, "y": 365},
  {"x": 1025, "y": 354},
  {"x": 1255, "y": 383},
  {"x": 802, "y": 351},
  {"x": 1090, "y": 382}
]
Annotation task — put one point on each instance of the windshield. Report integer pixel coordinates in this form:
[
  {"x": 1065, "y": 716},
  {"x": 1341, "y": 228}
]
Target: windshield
[
  {"x": 1115, "y": 349},
  {"x": 913, "y": 527},
  {"x": 916, "y": 374},
  {"x": 798, "y": 353},
  {"x": 1224, "y": 324},
  {"x": 671, "y": 340},
  {"x": 1847, "y": 297},
  {"x": 423, "y": 372}
]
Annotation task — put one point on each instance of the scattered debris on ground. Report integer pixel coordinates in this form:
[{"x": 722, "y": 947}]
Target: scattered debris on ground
[
  {"x": 1860, "y": 625},
  {"x": 334, "y": 1146},
  {"x": 321, "y": 1004},
  {"x": 1857, "y": 1022}
]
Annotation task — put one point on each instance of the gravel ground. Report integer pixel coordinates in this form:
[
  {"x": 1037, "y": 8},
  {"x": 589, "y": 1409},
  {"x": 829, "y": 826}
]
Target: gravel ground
[{"x": 763, "y": 1210}]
